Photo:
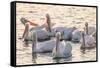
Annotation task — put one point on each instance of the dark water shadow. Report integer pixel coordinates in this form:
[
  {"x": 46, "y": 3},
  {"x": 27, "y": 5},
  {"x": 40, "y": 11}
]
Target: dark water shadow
[
  {"x": 34, "y": 57},
  {"x": 87, "y": 49},
  {"x": 25, "y": 43},
  {"x": 62, "y": 60}
]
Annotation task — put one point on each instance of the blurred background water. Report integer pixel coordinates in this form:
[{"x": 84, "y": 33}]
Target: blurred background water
[{"x": 67, "y": 16}]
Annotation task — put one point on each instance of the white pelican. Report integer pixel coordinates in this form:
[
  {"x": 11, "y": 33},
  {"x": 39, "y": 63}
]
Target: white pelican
[
  {"x": 87, "y": 39},
  {"x": 62, "y": 49}
]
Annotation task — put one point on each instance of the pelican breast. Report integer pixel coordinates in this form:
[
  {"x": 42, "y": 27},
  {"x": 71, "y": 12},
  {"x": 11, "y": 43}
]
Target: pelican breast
[
  {"x": 89, "y": 41},
  {"x": 91, "y": 30}
]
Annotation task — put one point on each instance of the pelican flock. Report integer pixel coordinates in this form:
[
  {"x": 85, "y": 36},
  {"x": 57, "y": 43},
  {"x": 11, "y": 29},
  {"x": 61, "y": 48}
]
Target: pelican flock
[
  {"x": 58, "y": 39},
  {"x": 58, "y": 48}
]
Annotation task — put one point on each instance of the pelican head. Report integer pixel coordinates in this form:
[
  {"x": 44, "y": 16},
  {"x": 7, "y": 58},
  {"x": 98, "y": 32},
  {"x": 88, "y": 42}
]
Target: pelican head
[
  {"x": 48, "y": 22},
  {"x": 47, "y": 15},
  {"x": 48, "y": 19},
  {"x": 86, "y": 24},
  {"x": 23, "y": 20},
  {"x": 58, "y": 36},
  {"x": 74, "y": 28}
]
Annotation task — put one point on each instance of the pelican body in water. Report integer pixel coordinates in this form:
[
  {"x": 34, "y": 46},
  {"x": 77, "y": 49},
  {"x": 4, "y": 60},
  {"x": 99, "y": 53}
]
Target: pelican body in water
[
  {"x": 46, "y": 31},
  {"x": 41, "y": 47},
  {"x": 61, "y": 49},
  {"x": 57, "y": 47},
  {"x": 88, "y": 41}
]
